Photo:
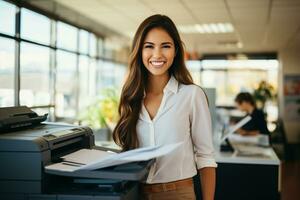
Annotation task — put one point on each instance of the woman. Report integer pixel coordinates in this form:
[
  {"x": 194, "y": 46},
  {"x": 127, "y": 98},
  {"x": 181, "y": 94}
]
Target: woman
[
  {"x": 161, "y": 105},
  {"x": 257, "y": 125}
]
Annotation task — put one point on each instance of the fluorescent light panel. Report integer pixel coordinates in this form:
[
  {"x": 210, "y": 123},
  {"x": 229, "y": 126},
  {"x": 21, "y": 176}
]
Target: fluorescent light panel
[{"x": 212, "y": 28}]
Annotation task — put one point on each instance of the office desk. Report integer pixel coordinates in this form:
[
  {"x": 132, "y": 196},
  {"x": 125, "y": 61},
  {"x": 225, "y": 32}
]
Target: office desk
[{"x": 243, "y": 177}]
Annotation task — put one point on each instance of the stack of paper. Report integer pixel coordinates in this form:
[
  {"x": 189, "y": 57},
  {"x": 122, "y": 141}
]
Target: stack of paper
[
  {"x": 86, "y": 156},
  {"x": 91, "y": 159},
  {"x": 260, "y": 139},
  {"x": 250, "y": 150}
]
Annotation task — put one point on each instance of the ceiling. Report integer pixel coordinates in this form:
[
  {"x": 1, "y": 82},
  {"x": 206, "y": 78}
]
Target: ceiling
[{"x": 259, "y": 25}]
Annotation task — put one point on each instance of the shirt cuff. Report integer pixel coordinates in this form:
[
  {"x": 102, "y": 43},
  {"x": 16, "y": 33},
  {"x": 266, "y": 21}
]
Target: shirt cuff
[{"x": 205, "y": 162}]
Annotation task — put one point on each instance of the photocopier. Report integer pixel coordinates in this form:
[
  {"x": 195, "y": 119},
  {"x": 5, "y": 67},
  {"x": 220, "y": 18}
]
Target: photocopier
[{"x": 24, "y": 154}]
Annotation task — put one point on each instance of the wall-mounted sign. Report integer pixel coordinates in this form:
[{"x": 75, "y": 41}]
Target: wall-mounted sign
[{"x": 292, "y": 97}]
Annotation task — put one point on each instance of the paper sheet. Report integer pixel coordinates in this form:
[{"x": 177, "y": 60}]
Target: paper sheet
[
  {"x": 140, "y": 154},
  {"x": 262, "y": 140},
  {"x": 92, "y": 159},
  {"x": 250, "y": 150},
  {"x": 86, "y": 156},
  {"x": 61, "y": 167}
]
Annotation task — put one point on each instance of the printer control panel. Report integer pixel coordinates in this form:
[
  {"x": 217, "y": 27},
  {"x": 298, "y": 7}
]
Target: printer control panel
[{"x": 62, "y": 133}]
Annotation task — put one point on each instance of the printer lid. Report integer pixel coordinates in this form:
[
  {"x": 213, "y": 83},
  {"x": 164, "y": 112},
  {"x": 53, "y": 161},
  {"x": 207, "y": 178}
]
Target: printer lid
[
  {"x": 20, "y": 117},
  {"x": 39, "y": 138}
]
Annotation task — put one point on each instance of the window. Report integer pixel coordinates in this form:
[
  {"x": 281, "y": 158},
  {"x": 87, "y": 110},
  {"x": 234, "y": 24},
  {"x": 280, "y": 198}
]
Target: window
[
  {"x": 65, "y": 99},
  {"x": 230, "y": 77},
  {"x": 35, "y": 79},
  {"x": 7, "y": 18},
  {"x": 217, "y": 79},
  {"x": 110, "y": 74},
  {"x": 66, "y": 36},
  {"x": 7, "y": 58},
  {"x": 93, "y": 45},
  {"x": 35, "y": 27},
  {"x": 194, "y": 67},
  {"x": 83, "y": 41},
  {"x": 83, "y": 83},
  {"x": 108, "y": 49},
  {"x": 120, "y": 73},
  {"x": 106, "y": 75},
  {"x": 67, "y": 74},
  {"x": 101, "y": 47},
  {"x": 93, "y": 90}
]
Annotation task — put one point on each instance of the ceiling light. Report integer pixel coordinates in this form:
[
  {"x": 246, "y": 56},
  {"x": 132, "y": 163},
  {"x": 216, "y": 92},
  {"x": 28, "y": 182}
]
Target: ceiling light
[
  {"x": 230, "y": 44},
  {"x": 198, "y": 28},
  {"x": 212, "y": 28},
  {"x": 188, "y": 28}
]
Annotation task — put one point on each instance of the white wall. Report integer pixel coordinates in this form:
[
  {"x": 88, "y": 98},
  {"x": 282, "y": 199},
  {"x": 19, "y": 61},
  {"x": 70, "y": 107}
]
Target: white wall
[{"x": 289, "y": 62}]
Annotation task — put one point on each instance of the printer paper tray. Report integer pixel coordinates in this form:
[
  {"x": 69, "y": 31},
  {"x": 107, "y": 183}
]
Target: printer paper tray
[{"x": 135, "y": 171}]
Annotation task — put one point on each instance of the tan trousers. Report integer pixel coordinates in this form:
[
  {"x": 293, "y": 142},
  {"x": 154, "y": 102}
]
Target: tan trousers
[{"x": 182, "y": 193}]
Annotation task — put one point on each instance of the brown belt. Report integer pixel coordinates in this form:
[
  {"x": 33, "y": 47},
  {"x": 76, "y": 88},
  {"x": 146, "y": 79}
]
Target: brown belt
[{"x": 163, "y": 187}]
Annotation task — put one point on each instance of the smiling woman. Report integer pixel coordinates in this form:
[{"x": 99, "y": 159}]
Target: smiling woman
[
  {"x": 158, "y": 51},
  {"x": 160, "y": 105}
]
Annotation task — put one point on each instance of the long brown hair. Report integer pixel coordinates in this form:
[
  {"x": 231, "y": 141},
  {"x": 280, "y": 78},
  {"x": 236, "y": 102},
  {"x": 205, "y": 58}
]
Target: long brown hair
[{"x": 125, "y": 134}]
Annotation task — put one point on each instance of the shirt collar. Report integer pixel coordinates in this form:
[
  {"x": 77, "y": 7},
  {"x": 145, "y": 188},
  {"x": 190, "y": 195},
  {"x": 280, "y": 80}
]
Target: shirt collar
[{"x": 172, "y": 85}]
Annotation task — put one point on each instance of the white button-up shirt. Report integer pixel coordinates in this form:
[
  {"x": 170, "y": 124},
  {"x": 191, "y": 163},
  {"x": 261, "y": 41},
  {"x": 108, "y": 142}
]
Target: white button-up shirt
[{"x": 183, "y": 116}]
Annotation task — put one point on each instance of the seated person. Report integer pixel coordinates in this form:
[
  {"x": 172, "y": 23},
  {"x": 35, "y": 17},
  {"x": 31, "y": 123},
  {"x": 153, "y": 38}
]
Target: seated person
[{"x": 258, "y": 124}]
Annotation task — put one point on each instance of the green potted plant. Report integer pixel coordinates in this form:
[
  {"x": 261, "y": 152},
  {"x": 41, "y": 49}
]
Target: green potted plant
[
  {"x": 263, "y": 93},
  {"x": 102, "y": 115}
]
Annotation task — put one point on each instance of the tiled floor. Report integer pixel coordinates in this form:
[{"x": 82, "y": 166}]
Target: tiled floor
[{"x": 290, "y": 180}]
